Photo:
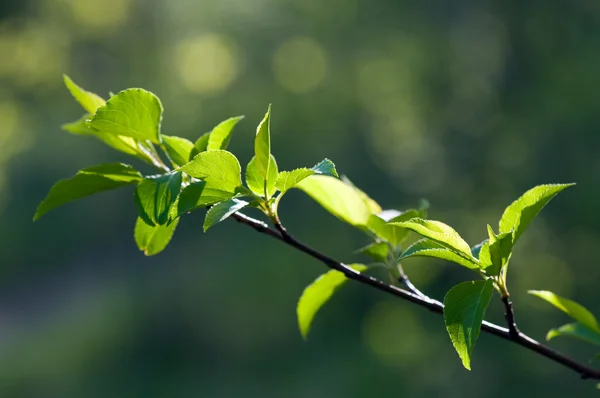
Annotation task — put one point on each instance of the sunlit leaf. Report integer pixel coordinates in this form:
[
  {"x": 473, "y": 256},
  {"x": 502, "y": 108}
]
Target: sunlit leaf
[
  {"x": 337, "y": 197},
  {"x": 202, "y": 194},
  {"x": 318, "y": 293},
  {"x": 89, "y": 101},
  {"x": 430, "y": 248},
  {"x": 378, "y": 251},
  {"x": 257, "y": 182},
  {"x": 521, "y": 212},
  {"x": 569, "y": 307},
  {"x": 153, "y": 239},
  {"x": 88, "y": 182},
  {"x": 218, "y": 165},
  {"x": 179, "y": 149},
  {"x": 464, "y": 308},
  {"x": 262, "y": 147},
  {"x": 289, "y": 179},
  {"x": 155, "y": 195},
  {"x": 499, "y": 250},
  {"x": 575, "y": 330},
  {"x": 372, "y": 205},
  {"x": 134, "y": 112},
  {"x": 222, "y": 211},
  {"x": 439, "y": 232},
  {"x": 220, "y": 135},
  {"x": 200, "y": 145}
]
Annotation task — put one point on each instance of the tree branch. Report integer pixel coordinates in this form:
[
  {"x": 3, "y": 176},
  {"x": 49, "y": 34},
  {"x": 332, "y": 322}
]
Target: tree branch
[{"x": 512, "y": 334}]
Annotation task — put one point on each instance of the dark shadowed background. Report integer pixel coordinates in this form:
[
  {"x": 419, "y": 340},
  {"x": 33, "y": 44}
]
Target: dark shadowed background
[{"x": 467, "y": 104}]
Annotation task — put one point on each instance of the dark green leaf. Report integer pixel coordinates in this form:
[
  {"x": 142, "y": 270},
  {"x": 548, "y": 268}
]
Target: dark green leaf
[
  {"x": 439, "y": 232},
  {"x": 221, "y": 211},
  {"x": 134, "y": 113},
  {"x": 88, "y": 182},
  {"x": 217, "y": 166},
  {"x": 256, "y": 181},
  {"x": 219, "y": 136},
  {"x": 153, "y": 239},
  {"x": 575, "y": 330},
  {"x": 569, "y": 307},
  {"x": 378, "y": 251},
  {"x": 317, "y": 293},
  {"x": 464, "y": 308},
  {"x": 430, "y": 248},
  {"x": 326, "y": 167},
  {"x": 89, "y": 101},
  {"x": 201, "y": 194},
  {"x": 155, "y": 195},
  {"x": 179, "y": 149},
  {"x": 337, "y": 197},
  {"x": 521, "y": 212}
]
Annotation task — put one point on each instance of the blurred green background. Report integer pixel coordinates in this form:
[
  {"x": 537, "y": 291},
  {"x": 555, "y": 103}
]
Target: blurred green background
[{"x": 465, "y": 103}]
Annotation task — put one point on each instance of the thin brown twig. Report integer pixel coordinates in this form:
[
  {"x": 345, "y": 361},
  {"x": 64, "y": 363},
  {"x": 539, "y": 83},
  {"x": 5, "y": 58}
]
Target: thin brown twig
[{"x": 515, "y": 336}]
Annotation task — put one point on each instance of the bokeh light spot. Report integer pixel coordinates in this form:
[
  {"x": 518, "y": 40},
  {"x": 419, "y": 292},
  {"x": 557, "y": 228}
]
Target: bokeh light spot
[
  {"x": 300, "y": 65},
  {"x": 206, "y": 64},
  {"x": 105, "y": 15}
]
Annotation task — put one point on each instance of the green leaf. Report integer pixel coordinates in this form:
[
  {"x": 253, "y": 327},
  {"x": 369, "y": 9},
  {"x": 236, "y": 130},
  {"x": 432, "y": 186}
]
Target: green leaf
[
  {"x": 337, "y": 197},
  {"x": 326, "y": 167},
  {"x": 155, "y": 195},
  {"x": 482, "y": 253},
  {"x": 221, "y": 211},
  {"x": 200, "y": 145},
  {"x": 429, "y": 248},
  {"x": 317, "y": 293},
  {"x": 216, "y": 166},
  {"x": 256, "y": 181},
  {"x": 569, "y": 307},
  {"x": 220, "y": 135},
  {"x": 575, "y": 330},
  {"x": 201, "y": 194},
  {"x": 378, "y": 251},
  {"x": 372, "y": 205},
  {"x": 289, "y": 179},
  {"x": 393, "y": 234},
  {"x": 134, "y": 113},
  {"x": 262, "y": 146},
  {"x": 464, "y": 308},
  {"x": 499, "y": 250},
  {"x": 89, "y": 101},
  {"x": 179, "y": 149},
  {"x": 521, "y": 212},
  {"x": 439, "y": 232},
  {"x": 153, "y": 239},
  {"x": 88, "y": 182}
]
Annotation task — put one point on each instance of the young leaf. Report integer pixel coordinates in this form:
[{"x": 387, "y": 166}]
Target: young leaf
[
  {"x": 200, "y": 145},
  {"x": 378, "y": 251},
  {"x": 439, "y": 232},
  {"x": 217, "y": 166},
  {"x": 429, "y": 248},
  {"x": 262, "y": 146},
  {"x": 575, "y": 330},
  {"x": 89, "y": 101},
  {"x": 256, "y": 181},
  {"x": 153, "y": 239},
  {"x": 521, "y": 212},
  {"x": 569, "y": 307},
  {"x": 289, "y": 179},
  {"x": 221, "y": 211},
  {"x": 179, "y": 149},
  {"x": 482, "y": 253},
  {"x": 464, "y": 307},
  {"x": 325, "y": 167},
  {"x": 201, "y": 194},
  {"x": 337, "y": 197},
  {"x": 155, "y": 195},
  {"x": 499, "y": 249},
  {"x": 134, "y": 113},
  {"x": 317, "y": 293},
  {"x": 220, "y": 135},
  {"x": 88, "y": 182},
  {"x": 391, "y": 233}
]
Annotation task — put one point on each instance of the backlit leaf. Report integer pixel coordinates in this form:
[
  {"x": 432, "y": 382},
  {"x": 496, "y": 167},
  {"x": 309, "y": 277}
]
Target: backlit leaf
[
  {"x": 256, "y": 181},
  {"x": 153, "y": 239},
  {"x": 201, "y": 194},
  {"x": 155, "y": 195},
  {"x": 222, "y": 211},
  {"x": 88, "y": 100},
  {"x": 569, "y": 307},
  {"x": 220, "y": 135},
  {"x": 575, "y": 330},
  {"x": 179, "y": 149},
  {"x": 218, "y": 166},
  {"x": 430, "y": 248}
]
